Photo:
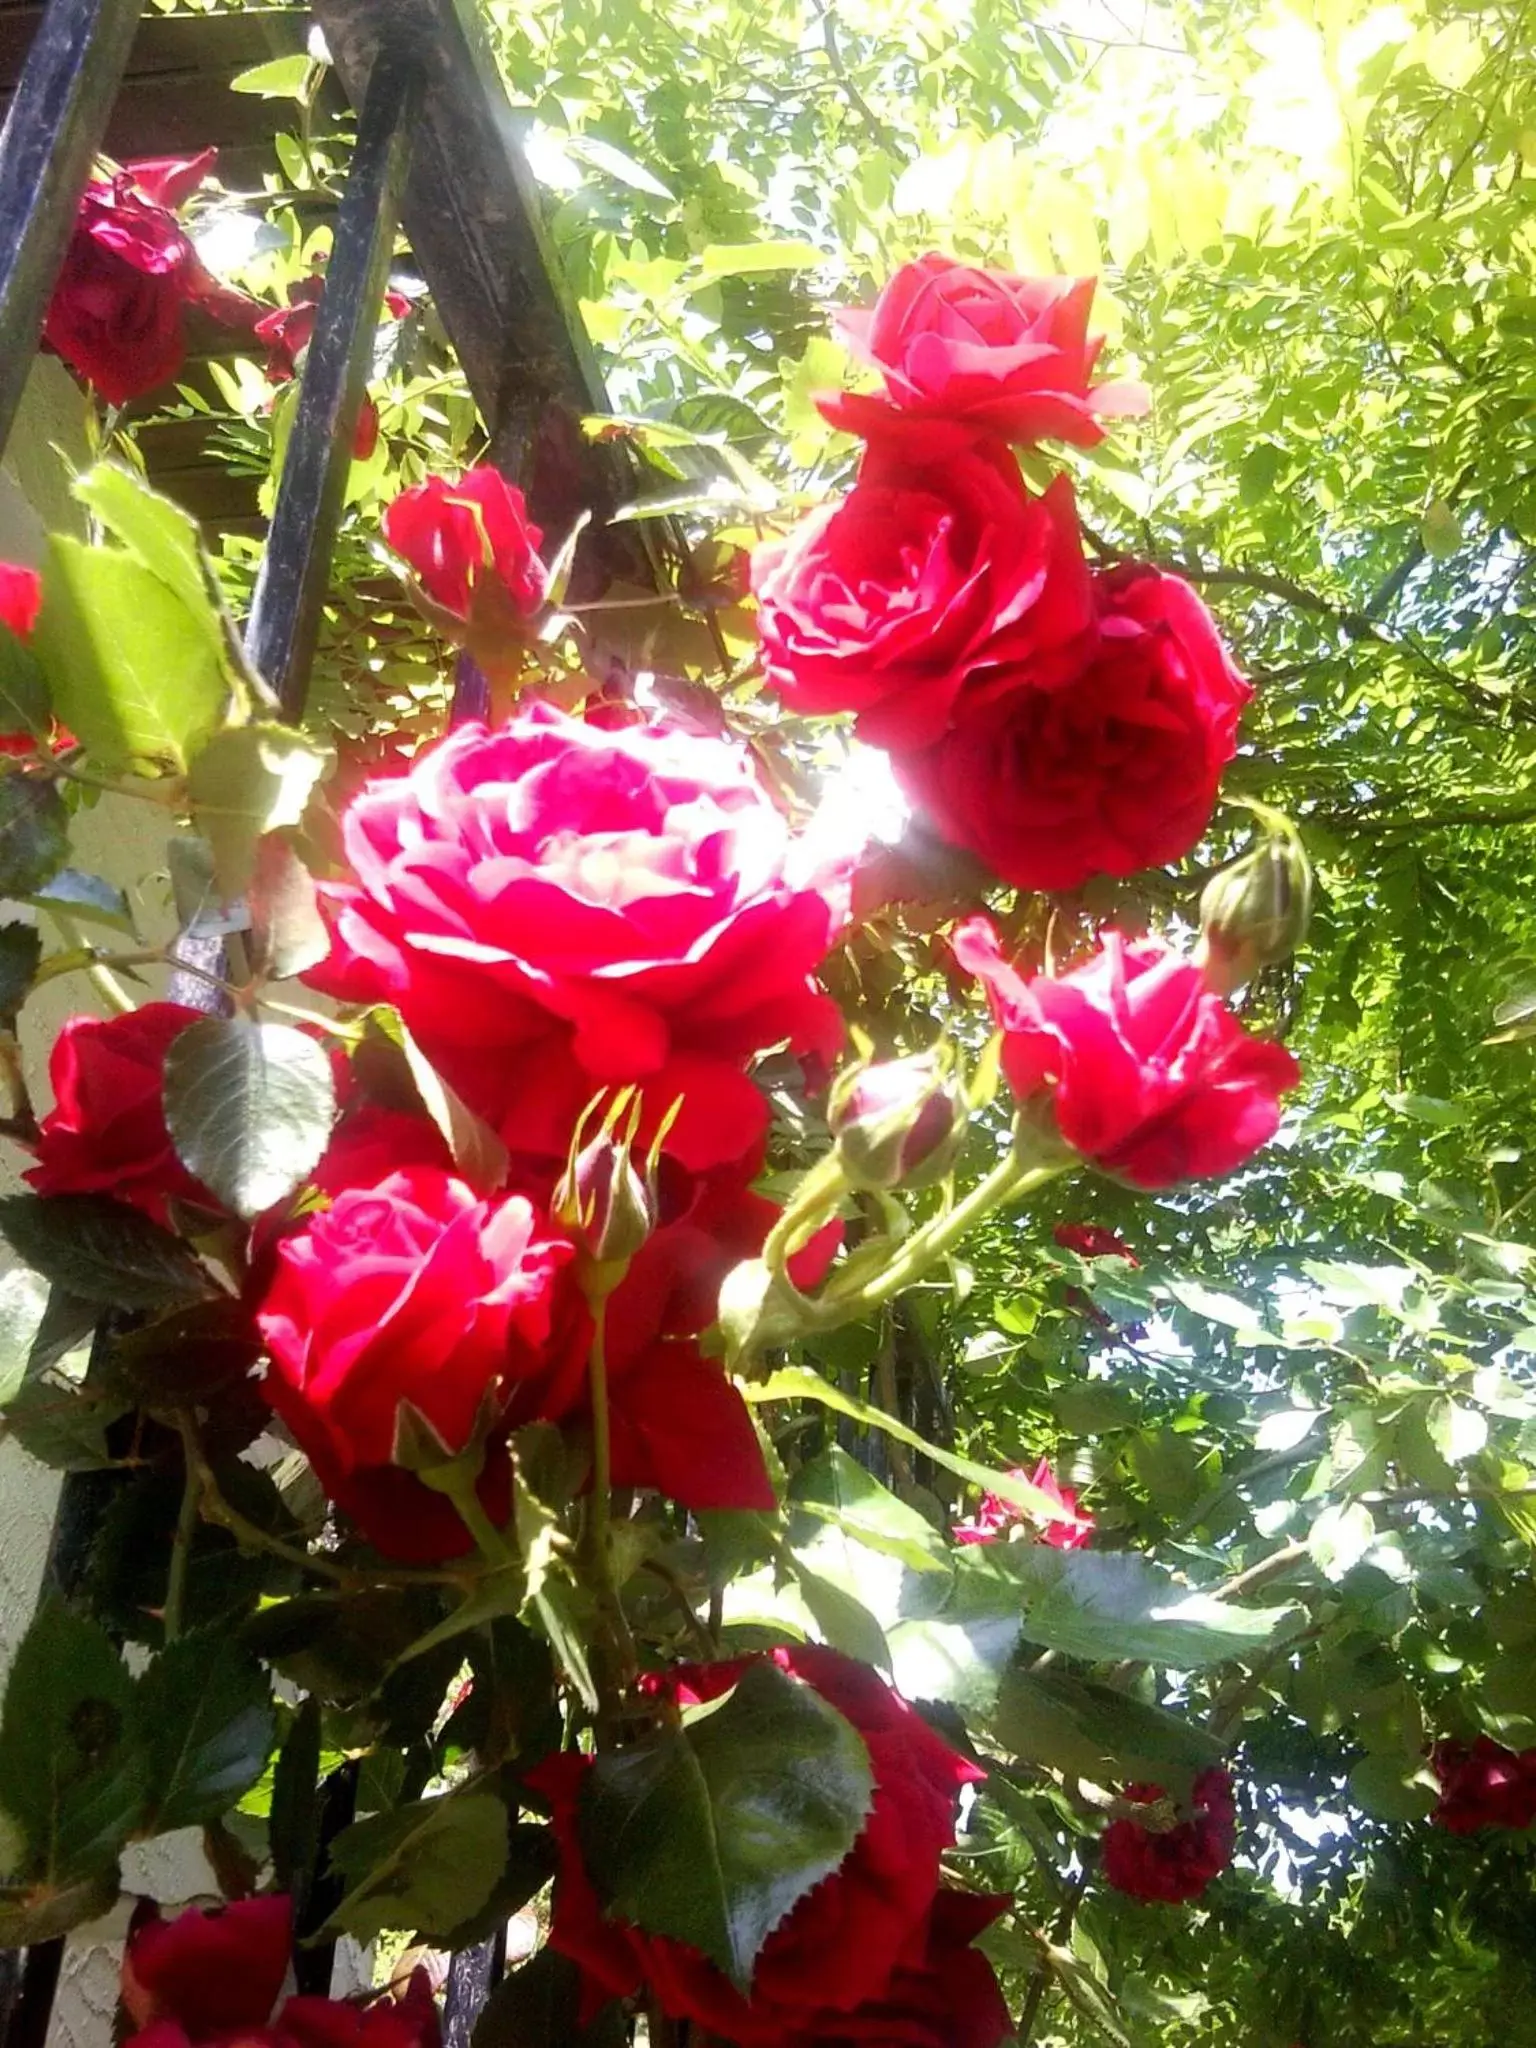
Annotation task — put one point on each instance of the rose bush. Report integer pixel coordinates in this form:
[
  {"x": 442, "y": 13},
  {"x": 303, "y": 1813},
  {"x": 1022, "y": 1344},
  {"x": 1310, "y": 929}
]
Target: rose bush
[
  {"x": 1146, "y": 1073},
  {"x": 117, "y": 315}
]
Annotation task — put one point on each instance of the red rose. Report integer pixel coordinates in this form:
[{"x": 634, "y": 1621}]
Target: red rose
[
  {"x": 287, "y": 332},
  {"x": 1154, "y": 1079},
  {"x": 556, "y": 908},
  {"x": 840, "y": 1945},
  {"x": 1115, "y": 772},
  {"x": 130, "y": 269},
  {"x": 942, "y": 1994},
  {"x": 919, "y": 581},
  {"x": 967, "y": 353},
  {"x": 212, "y": 1972},
  {"x": 1484, "y": 1786},
  {"x": 1176, "y": 1865},
  {"x": 209, "y": 1979},
  {"x": 1093, "y": 1241},
  {"x": 106, "y": 1133},
  {"x": 415, "y": 1290},
  {"x": 21, "y": 596},
  {"x": 994, "y": 1516},
  {"x": 453, "y": 534}
]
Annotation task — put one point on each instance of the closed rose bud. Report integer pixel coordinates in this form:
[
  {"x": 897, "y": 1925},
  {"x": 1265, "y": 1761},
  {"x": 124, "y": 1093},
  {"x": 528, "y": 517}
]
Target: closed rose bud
[
  {"x": 604, "y": 1202},
  {"x": 900, "y": 1123},
  {"x": 1255, "y": 912}
]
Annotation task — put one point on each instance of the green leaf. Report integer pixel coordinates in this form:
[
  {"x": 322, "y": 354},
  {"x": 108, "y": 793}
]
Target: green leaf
[
  {"x": 133, "y": 671},
  {"x": 712, "y": 1832},
  {"x": 247, "y": 781},
  {"x": 539, "y": 2006},
  {"x": 23, "y": 1304},
  {"x": 500, "y": 1592},
  {"x": 34, "y": 834},
  {"x": 282, "y": 78},
  {"x": 249, "y": 1108},
  {"x": 1089, "y": 1730},
  {"x": 422, "y": 1868},
  {"x": 532, "y": 1860},
  {"x": 38, "y": 1913},
  {"x": 162, "y": 537},
  {"x": 953, "y": 1644},
  {"x": 72, "y": 1780},
  {"x": 1104, "y": 1606},
  {"x": 23, "y": 689},
  {"x": 88, "y": 899},
  {"x": 1393, "y": 1788},
  {"x": 744, "y": 259},
  {"x": 21, "y": 953},
  {"x": 288, "y": 932},
  {"x": 841, "y": 1619},
  {"x": 799, "y": 1383},
  {"x": 102, "y": 1251},
  {"x": 205, "y": 1718},
  {"x": 293, "y": 1828},
  {"x": 836, "y": 1488}
]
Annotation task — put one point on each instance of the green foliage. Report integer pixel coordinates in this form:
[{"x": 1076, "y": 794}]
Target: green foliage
[
  {"x": 426, "y": 1866},
  {"x": 249, "y": 1107},
  {"x": 102, "y": 1251}
]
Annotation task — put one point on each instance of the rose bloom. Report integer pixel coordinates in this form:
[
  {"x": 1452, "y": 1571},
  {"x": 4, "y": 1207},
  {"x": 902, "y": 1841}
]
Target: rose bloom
[
  {"x": 1093, "y": 1241},
  {"x": 21, "y": 597},
  {"x": 413, "y": 1289},
  {"x": 966, "y": 353},
  {"x": 943, "y": 1992},
  {"x": 995, "y": 1516},
  {"x": 209, "y": 1979},
  {"x": 106, "y": 1133},
  {"x": 1116, "y": 772},
  {"x": 1150, "y": 1076},
  {"x": 1177, "y": 1865},
  {"x": 130, "y": 271},
  {"x": 1484, "y": 1786},
  {"x": 840, "y": 1944},
  {"x": 557, "y": 909},
  {"x": 457, "y": 535},
  {"x": 920, "y": 580}
]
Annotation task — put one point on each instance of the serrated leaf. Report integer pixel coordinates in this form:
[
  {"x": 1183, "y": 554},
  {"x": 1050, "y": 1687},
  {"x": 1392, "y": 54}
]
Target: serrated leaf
[
  {"x": 836, "y": 1488},
  {"x": 247, "y": 781},
  {"x": 34, "y": 834},
  {"x": 1340, "y": 1537},
  {"x": 23, "y": 690},
  {"x": 72, "y": 1780},
  {"x": 1092, "y": 1731},
  {"x": 713, "y": 1831},
  {"x": 288, "y": 932},
  {"x": 249, "y": 1108},
  {"x": 422, "y": 1868},
  {"x": 1393, "y": 1788},
  {"x": 132, "y": 670},
  {"x": 1456, "y": 1431},
  {"x": 159, "y": 533},
  {"x": 842, "y": 1620},
  {"x": 281, "y": 78},
  {"x": 102, "y": 1251},
  {"x": 205, "y": 1720}
]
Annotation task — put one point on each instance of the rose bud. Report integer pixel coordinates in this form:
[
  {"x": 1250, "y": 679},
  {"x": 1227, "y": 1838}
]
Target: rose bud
[
  {"x": 900, "y": 1123},
  {"x": 603, "y": 1199},
  {"x": 1255, "y": 912}
]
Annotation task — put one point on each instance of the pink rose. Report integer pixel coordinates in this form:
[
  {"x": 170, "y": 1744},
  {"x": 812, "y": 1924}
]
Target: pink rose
[
  {"x": 995, "y": 1516},
  {"x": 1148, "y": 1074},
  {"x": 557, "y": 909},
  {"x": 968, "y": 353}
]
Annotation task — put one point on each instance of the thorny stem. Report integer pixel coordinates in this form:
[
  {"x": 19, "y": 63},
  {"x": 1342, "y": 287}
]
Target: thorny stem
[
  {"x": 458, "y": 1482},
  {"x": 617, "y": 1660},
  {"x": 105, "y": 983},
  {"x": 1024, "y": 2032}
]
